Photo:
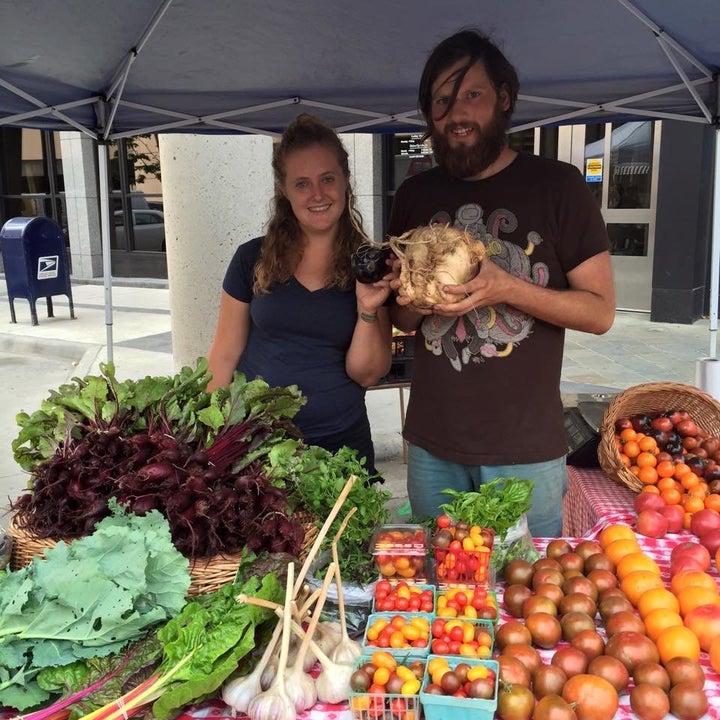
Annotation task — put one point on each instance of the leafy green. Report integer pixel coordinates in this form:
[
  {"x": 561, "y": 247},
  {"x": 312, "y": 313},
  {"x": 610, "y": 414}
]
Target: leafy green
[
  {"x": 497, "y": 504},
  {"x": 180, "y": 404},
  {"x": 313, "y": 479},
  {"x": 87, "y": 598},
  {"x": 219, "y": 632},
  {"x": 112, "y": 674}
]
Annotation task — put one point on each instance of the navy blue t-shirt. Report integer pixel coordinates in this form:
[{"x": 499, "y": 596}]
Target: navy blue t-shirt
[{"x": 299, "y": 337}]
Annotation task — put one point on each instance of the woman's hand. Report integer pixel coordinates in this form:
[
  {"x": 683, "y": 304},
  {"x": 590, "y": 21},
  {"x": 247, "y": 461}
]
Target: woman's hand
[{"x": 371, "y": 296}]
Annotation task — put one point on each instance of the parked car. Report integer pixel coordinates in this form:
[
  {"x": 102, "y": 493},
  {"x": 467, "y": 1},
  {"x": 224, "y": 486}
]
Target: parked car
[{"x": 148, "y": 229}]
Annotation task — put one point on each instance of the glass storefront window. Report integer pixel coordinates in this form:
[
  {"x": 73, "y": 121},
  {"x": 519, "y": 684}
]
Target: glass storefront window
[
  {"x": 411, "y": 155},
  {"x": 595, "y": 159},
  {"x": 631, "y": 152},
  {"x": 628, "y": 239},
  {"x": 137, "y": 221}
]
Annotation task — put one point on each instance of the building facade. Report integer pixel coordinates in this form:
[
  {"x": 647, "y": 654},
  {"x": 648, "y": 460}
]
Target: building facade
[{"x": 652, "y": 181}]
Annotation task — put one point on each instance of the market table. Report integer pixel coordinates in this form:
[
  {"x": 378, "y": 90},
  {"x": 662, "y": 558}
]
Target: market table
[
  {"x": 592, "y": 498},
  {"x": 659, "y": 550}
]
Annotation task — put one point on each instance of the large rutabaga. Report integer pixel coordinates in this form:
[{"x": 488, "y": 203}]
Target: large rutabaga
[{"x": 432, "y": 256}]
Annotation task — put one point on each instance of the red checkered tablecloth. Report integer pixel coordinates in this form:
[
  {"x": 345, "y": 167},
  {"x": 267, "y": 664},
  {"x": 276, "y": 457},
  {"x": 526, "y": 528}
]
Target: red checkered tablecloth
[{"x": 593, "y": 499}]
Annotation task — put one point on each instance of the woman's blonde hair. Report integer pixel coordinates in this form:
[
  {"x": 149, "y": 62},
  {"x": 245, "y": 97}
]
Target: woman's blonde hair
[{"x": 281, "y": 250}]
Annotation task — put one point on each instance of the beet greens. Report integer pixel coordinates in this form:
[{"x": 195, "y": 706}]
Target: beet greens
[{"x": 165, "y": 444}]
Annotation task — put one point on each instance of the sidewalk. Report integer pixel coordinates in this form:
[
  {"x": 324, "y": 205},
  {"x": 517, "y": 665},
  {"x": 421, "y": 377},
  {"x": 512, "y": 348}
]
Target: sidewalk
[{"x": 35, "y": 359}]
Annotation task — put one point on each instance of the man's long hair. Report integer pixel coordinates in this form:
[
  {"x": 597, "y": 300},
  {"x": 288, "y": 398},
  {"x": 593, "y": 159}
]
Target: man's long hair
[
  {"x": 472, "y": 46},
  {"x": 282, "y": 248}
]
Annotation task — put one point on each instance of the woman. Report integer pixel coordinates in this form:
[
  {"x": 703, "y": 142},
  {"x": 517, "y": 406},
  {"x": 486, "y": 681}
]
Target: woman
[{"x": 291, "y": 311}]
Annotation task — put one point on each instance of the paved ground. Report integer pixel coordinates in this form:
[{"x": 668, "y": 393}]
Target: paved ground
[{"x": 34, "y": 359}]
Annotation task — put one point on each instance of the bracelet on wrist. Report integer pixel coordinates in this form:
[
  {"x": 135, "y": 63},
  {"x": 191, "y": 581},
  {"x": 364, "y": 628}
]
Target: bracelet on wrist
[{"x": 368, "y": 317}]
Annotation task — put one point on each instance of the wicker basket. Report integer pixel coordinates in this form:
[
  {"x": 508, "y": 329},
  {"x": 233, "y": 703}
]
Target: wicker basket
[
  {"x": 206, "y": 574},
  {"x": 652, "y": 398}
]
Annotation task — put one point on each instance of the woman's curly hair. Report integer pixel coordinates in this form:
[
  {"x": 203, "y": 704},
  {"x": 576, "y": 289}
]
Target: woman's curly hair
[{"x": 281, "y": 248}]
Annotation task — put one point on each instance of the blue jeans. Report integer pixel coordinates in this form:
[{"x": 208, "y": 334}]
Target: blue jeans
[{"x": 428, "y": 476}]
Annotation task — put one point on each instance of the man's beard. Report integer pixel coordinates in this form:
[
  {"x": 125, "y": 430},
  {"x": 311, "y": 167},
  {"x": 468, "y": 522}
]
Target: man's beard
[{"x": 469, "y": 161}]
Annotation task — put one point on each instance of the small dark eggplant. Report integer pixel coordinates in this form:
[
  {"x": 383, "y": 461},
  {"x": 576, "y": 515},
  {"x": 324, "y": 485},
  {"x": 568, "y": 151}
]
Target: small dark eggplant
[{"x": 368, "y": 263}]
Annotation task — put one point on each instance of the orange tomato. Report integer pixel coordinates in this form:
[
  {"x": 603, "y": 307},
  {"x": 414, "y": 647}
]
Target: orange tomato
[
  {"x": 667, "y": 483},
  {"x": 650, "y": 488},
  {"x": 657, "y": 620},
  {"x": 692, "y": 504},
  {"x": 696, "y": 578},
  {"x": 627, "y": 434},
  {"x": 647, "y": 475},
  {"x": 617, "y": 549},
  {"x": 645, "y": 459},
  {"x": 636, "y": 561},
  {"x": 693, "y": 596},
  {"x": 615, "y": 532},
  {"x": 677, "y": 641},
  {"x": 658, "y": 598},
  {"x": 665, "y": 468},
  {"x": 712, "y": 502},
  {"x": 638, "y": 581},
  {"x": 648, "y": 444},
  {"x": 671, "y": 496},
  {"x": 689, "y": 481},
  {"x": 631, "y": 449}
]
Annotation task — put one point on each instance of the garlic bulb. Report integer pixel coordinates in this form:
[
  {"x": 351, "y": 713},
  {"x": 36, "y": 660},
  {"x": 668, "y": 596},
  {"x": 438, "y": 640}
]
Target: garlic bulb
[
  {"x": 333, "y": 682},
  {"x": 299, "y": 686},
  {"x": 328, "y": 635},
  {"x": 310, "y": 658},
  {"x": 347, "y": 650},
  {"x": 274, "y": 703},
  {"x": 238, "y": 693}
]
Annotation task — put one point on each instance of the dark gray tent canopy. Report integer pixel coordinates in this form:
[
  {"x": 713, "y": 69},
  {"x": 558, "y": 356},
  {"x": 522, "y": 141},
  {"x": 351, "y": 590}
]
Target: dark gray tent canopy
[
  {"x": 115, "y": 68},
  {"x": 121, "y": 67}
]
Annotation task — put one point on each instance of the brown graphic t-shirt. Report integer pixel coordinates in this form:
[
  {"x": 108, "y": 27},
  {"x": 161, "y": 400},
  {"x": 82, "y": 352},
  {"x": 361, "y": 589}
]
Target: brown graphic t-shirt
[{"x": 486, "y": 387}]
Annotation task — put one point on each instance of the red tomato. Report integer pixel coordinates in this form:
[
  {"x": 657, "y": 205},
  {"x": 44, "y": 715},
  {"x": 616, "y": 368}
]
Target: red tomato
[
  {"x": 444, "y": 521},
  {"x": 439, "y": 647}
]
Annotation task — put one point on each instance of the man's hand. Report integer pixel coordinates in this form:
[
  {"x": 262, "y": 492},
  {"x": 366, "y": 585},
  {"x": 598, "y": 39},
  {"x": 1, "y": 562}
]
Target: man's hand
[{"x": 491, "y": 286}]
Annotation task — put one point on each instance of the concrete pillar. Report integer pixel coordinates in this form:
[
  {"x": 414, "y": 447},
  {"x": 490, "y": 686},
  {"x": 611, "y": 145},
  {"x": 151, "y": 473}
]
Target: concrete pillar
[
  {"x": 216, "y": 192},
  {"x": 365, "y": 156},
  {"x": 82, "y": 204}
]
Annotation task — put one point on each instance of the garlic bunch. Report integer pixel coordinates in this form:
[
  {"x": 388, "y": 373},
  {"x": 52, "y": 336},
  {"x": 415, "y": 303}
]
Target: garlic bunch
[
  {"x": 299, "y": 686},
  {"x": 274, "y": 703},
  {"x": 238, "y": 693},
  {"x": 334, "y": 680}
]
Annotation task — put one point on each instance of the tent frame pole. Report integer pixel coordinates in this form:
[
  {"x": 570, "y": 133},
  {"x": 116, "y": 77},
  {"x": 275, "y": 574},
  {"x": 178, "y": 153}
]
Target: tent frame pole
[{"x": 106, "y": 250}]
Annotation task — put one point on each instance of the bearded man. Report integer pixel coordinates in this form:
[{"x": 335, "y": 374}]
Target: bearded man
[{"x": 485, "y": 394}]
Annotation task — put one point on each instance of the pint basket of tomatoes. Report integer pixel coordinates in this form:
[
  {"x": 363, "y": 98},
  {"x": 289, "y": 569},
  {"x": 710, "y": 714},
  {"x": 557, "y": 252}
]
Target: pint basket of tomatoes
[
  {"x": 460, "y": 688},
  {"x": 402, "y": 635},
  {"x": 462, "y": 552},
  {"x": 383, "y": 687},
  {"x": 403, "y": 597},
  {"x": 400, "y": 551}
]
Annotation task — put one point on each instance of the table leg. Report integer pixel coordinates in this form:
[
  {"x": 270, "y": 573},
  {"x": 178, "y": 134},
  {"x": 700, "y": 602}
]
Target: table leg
[{"x": 402, "y": 421}]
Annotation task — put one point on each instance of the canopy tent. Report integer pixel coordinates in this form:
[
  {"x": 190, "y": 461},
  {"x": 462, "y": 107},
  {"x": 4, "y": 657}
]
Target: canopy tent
[{"x": 115, "y": 68}]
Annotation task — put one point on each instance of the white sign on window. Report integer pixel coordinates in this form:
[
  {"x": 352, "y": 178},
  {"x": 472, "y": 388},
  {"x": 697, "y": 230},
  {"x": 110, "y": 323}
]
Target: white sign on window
[{"x": 593, "y": 170}]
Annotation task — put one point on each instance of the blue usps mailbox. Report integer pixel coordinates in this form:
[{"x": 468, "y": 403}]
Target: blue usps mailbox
[{"x": 33, "y": 253}]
